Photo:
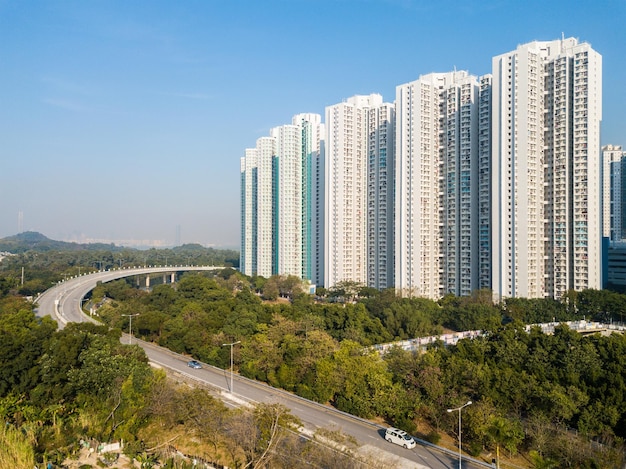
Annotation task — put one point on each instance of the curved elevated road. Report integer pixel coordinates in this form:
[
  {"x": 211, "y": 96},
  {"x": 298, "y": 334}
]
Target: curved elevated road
[{"x": 63, "y": 303}]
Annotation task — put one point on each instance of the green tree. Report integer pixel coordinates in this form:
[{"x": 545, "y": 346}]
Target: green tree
[
  {"x": 61, "y": 356},
  {"x": 506, "y": 433},
  {"x": 348, "y": 290},
  {"x": 470, "y": 313},
  {"x": 541, "y": 462},
  {"x": 112, "y": 381},
  {"x": 364, "y": 381},
  {"x": 23, "y": 339},
  {"x": 271, "y": 289}
]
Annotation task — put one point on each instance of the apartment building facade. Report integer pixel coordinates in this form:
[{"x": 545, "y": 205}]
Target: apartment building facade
[
  {"x": 312, "y": 148},
  {"x": 613, "y": 193},
  {"x": 280, "y": 189},
  {"x": 380, "y": 196},
  {"x": 257, "y": 208},
  {"x": 546, "y": 216},
  {"x": 288, "y": 203},
  {"x": 437, "y": 184},
  {"x": 345, "y": 212}
]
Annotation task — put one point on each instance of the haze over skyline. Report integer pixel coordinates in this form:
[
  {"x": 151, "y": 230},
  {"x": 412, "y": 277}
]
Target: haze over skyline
[{"x": 126, "y": 121}]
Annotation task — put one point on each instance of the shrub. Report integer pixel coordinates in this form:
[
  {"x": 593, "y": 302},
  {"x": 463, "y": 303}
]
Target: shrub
[
  {"x": 433, "y": 437},
  {"x": 474, "y": 448}
]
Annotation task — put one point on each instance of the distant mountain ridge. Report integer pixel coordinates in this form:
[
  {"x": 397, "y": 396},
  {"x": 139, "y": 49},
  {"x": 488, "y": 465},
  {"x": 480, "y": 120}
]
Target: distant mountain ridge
[{"x": 34, "y": 241}]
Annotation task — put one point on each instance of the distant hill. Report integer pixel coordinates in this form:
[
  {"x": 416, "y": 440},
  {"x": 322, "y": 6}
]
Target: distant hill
[{"x": 33, "y": 241}]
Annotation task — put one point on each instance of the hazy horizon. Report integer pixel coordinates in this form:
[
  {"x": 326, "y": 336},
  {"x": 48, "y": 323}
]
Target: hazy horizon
[{"x": 128, "y": 243}]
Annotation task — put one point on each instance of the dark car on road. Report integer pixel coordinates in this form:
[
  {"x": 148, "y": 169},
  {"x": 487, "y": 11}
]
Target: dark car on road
[{"x": 194, "y": 364}]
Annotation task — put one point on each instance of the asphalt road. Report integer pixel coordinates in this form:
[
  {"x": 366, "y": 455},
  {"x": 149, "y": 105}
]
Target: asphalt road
[{"x": 62, "y": 302}]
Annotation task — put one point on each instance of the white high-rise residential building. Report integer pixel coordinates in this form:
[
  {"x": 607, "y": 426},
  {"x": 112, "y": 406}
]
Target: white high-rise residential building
[
  {"x": 247, "y": 256},
  {"x": 345, "y": 215},
  {"x": 288, "y": 201},
  {"x": 613, "y": 191},
  {"x": 265, "y": 150},
  {"x": 546, "y": 218},
  {"x": 518, "y": 173},
  {"x": 437, "y": 184},
  {"x": 459, "y": 155},
  {"x": 312, "y": 131},
  {"x": 280, "y": 193},
  {"x": 417, "y": 201},
  {"x": 380, "y": 197},
  {"x": 257, "y": 208}
]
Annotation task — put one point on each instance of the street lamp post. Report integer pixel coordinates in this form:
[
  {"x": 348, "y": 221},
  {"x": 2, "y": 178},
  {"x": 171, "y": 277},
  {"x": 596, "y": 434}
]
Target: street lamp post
[
  {"x": 231, "y": 362},
  {"x": 459, "y": 410},
  {"x": 130, "y": 328}
]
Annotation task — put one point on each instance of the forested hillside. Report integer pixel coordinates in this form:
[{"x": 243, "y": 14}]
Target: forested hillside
[
  {"x": 558, "y": 397},
  {"x": 62, "y": 390},
  {"x": 548, "y": 400}
]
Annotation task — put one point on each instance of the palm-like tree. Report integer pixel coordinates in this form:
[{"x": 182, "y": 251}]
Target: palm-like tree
[{"x": 505, "y": 433}]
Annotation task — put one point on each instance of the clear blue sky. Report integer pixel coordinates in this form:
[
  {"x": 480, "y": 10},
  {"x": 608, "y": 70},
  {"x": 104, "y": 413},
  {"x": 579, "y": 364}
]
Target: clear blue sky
[{"x": 126, "y": 119}]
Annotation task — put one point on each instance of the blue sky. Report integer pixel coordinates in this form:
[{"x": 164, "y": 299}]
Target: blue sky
[{"x": 126, "y": 120}]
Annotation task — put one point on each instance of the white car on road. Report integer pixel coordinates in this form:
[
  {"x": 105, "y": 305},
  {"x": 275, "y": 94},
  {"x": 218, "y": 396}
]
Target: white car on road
[{"x": 399, "y": 437}]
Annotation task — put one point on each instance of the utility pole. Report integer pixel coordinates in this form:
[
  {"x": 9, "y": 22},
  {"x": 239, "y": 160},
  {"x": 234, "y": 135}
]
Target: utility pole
[
  {"x": 231, "y": 362},
  {"x": 459, "y": 410},
  {"x": 130, "y": 328}
]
